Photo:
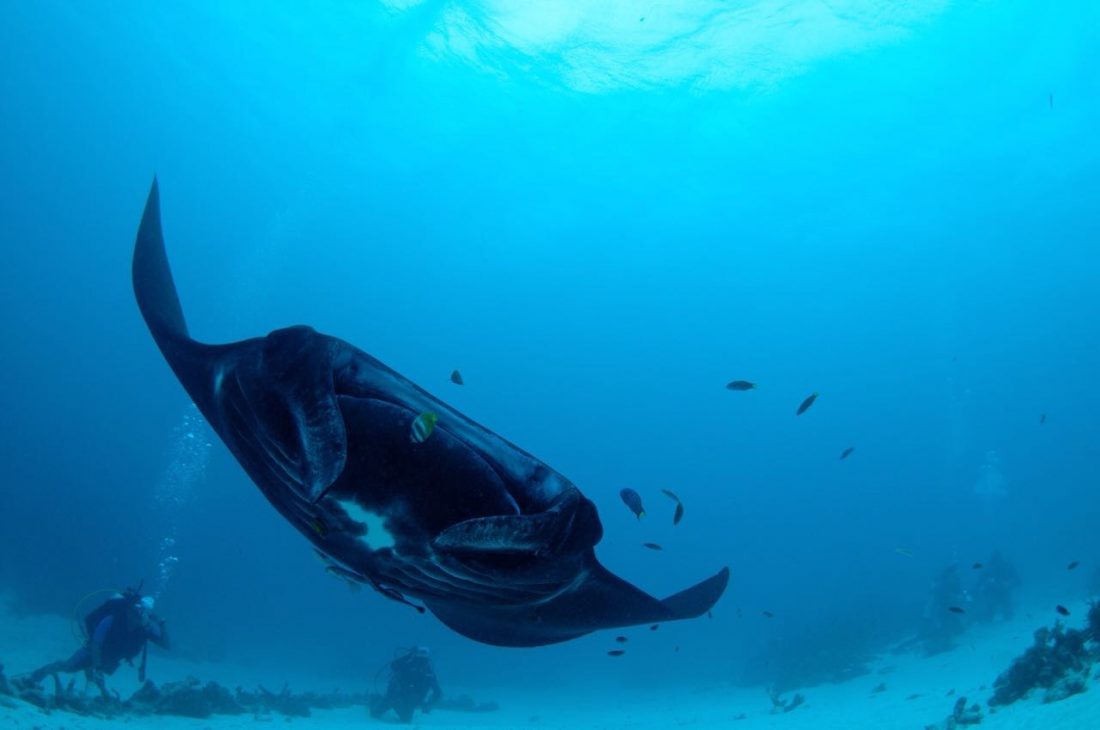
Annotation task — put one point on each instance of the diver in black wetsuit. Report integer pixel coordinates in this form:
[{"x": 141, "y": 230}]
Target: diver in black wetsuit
[
  {"x": 413, "y": 685},
  {"x": 116, "y": 630}
]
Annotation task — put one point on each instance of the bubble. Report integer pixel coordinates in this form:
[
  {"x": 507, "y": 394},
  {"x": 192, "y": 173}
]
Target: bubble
[
  {"x": 991, "y": 482},
  {"x": 188, "y": 457}
]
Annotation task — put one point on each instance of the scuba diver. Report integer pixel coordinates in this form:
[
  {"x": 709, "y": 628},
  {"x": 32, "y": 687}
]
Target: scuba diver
[
  {"x": 117, "y": 629},
  {"x": 413, "y": 685},
  {"x": 944, "y": 614},
  {"x": 993, "y": 593}
]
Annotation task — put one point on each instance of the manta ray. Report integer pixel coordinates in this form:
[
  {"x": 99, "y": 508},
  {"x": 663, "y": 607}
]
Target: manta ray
[{"x": 495, "y": 543}]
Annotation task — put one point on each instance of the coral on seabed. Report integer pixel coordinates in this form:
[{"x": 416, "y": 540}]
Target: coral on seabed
[
  {"x": 960, "y": 715},
  {"x": 780, "y": 705},
  {"x": 1059, "y": 661},
  {"x": 194, "y": 699},
  {"x": 5, "y": 687}
]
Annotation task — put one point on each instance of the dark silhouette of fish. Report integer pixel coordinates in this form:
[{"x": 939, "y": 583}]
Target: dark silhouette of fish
[
  {"x": 679, "y": 513},
  {"x": 616, "y": 652},
  {"x": 654, "y": 627},
  {"x": 1062, "y": 610},
  {"x": 740, "y": 385},
  {"x": 495, "y": 543},
  {"x": 805, "y": 405},
  {"x": 621, "y": 639},
  {"x": 768, "y": 614},
  {"x": 955, "y": 609},
  {"x": 976, "y": 566},
  {"x": 847, "y": 452},
  {"x": 1042, "y": 419},
  {"x": 456, "y": 377},
  {"x": 1073, "y": 565},
  {"x": 633, "y": 501},
  {"x": 652, "y": 546}
]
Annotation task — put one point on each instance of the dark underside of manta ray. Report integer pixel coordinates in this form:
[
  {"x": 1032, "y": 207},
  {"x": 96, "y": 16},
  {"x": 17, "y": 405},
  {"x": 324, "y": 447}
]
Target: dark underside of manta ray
[{"x": 495, "y": 543}]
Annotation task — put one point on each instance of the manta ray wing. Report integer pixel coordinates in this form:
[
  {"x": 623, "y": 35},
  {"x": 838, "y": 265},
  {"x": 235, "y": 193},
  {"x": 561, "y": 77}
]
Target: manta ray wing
[
  {"x": 496, "y": 543},
  {"x": 270, "y": 399},
  {"x": 598, "y": 600}
]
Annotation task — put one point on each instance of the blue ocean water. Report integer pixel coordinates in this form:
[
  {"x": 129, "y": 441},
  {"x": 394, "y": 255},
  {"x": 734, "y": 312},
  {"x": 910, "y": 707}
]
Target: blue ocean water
[{"x": 600, "y": 213}]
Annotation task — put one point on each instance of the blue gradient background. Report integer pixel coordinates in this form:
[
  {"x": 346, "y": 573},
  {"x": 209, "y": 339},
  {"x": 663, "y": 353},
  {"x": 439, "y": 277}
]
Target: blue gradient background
[{"x": 909, "y": 228}]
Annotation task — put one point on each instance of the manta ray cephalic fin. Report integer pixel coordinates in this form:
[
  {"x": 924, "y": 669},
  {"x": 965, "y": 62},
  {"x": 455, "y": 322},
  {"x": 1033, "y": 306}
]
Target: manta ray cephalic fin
[{"x": 569, "y": 525}]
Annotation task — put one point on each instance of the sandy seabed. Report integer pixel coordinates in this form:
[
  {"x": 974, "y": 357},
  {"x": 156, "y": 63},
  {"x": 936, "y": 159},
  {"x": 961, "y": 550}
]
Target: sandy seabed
[{"x": 919, "y": 691}]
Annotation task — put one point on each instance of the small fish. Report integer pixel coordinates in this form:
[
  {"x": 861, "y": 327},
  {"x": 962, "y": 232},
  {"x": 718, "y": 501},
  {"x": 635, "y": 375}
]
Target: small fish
[
  {"x": 1073, "y": 565},
  {"x": 1050, "y": 100},
  {"x": 654, "y": 627},
  {"x": 456, "y": 377},
  {"x": 913, "y": 696},
  {"x": 652, "y": 546},
  {"x": 847, "y": 452},
  {"x": 1062, "y": 610},
  {"x": 633, "y": 501},
  {"x": 679, "y": 513},
  {"x": 956, "y": 609},
  {"x": 905, "y": 552},
  {"x": 621, "y": 639},
  {"x": 740, "y": 385},
  {"x": 768, "y": 614},
  {"x": 806, "y": 404},
  {"x": 976, "y": 566},
  {"x": 1042, "y": 419},
  {"x": 710, "y": 615},
  {"x": 616, "y": 652},
  {"x": 422, "y": 427}
]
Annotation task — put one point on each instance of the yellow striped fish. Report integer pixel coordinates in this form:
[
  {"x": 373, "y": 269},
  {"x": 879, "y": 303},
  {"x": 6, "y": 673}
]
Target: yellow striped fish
[{"x": 422, "y": 427}]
